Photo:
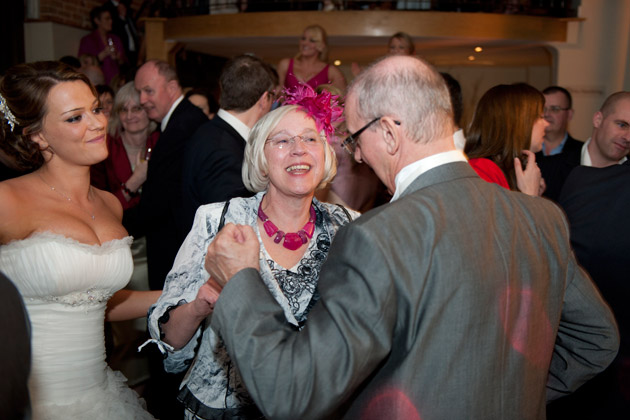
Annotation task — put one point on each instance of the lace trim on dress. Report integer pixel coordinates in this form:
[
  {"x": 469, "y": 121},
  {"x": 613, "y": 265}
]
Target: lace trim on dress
[
  {"x": 88, "y": 297},
  {"x": 48, "y": 236}
]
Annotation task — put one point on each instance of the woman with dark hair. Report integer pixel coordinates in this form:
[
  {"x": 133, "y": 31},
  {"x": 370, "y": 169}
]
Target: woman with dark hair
[
  {"x": 103, "y": 44},
  {"x": 106, "y": 97},
  {"x": 203, "y": 100},
  {"x": 310, "y": 65},
  {"x": 62, "y": 243},
  {"x": 506, "y": 130}
]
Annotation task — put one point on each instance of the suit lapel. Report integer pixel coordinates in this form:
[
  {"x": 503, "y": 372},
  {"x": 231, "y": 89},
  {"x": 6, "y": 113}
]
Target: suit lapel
[{"x": 170, "y": 139}]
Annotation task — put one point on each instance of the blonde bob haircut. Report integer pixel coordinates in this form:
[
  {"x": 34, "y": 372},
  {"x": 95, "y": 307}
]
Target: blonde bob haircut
[
  {"x": 319, "y": 35},
  {"x": 255, "y": 170}
]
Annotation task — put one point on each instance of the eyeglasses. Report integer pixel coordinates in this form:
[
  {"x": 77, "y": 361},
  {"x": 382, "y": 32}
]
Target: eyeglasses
[
  {"x": 134, "y": 110},
  {"x": 282, "y": 143},
  {"x": 554, "y": 109},
  {"x": 350, "y": 143}
]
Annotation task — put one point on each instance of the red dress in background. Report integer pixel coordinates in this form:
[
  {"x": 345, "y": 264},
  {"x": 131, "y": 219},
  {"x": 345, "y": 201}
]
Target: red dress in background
[
  {"x": 116, "y": 169},
  {"x": 489, "y": 171}
]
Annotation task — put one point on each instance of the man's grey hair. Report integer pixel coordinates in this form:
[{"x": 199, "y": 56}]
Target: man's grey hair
[{"x": 407, "y": 89}]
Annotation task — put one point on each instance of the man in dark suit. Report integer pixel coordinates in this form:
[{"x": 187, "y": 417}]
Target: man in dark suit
[
  {"x": 160, "y": 210},
  {"x": 596, "y": 201},
  {"x": 15, "y": 363},
  {"x": 214, "y": 155},
  {"x": 458, "y": 300},
  {"x": 608, "y": 145},
  {"x": 558, "y": 112},
  {"x": 161, "y": 204}
]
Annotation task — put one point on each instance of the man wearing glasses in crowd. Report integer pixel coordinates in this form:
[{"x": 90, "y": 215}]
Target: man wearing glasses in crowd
[
  {"x": 557, "y": 141},
  {"x": 457, "y": 300},
  {"x": 558, "y": 113},
  {"x": 608, "y": 145}
]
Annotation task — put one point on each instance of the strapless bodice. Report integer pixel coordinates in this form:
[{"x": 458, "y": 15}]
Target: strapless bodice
[
  {"x": 65, "y": 285},
  {"x": 48, "y": 267}
]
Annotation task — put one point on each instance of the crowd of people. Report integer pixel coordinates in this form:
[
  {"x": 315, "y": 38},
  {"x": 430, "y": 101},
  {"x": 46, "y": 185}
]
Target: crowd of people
[{"x": 276, "y": 279}]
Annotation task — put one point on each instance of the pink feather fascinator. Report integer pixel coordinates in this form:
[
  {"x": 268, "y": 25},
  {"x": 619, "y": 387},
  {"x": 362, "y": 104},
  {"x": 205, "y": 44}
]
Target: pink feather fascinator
[{"x": 324, "y": 107}]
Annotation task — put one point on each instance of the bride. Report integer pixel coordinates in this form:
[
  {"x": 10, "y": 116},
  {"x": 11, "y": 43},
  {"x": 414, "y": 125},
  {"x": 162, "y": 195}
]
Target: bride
[{"x": 62, "y": 242}]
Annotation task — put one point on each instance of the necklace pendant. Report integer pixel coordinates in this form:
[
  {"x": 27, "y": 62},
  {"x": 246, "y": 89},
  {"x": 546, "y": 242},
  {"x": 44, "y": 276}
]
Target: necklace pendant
[
  {"x": 308, "y": 229},
  {"x": 278, "y": 237},
  {"x": 293, "y": 241},
  {"x": 270, "y": 228}
]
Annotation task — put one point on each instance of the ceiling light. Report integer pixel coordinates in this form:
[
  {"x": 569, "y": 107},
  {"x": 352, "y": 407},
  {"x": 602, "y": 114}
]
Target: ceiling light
[
  {"x": 471, "y": 58},
  {"x": 337, "y": 62},
  {"x": 478, "y": 49}
]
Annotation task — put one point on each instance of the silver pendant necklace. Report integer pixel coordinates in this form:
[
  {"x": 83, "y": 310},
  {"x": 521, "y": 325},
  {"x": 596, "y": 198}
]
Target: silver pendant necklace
[{"x": 68, "y": 199}]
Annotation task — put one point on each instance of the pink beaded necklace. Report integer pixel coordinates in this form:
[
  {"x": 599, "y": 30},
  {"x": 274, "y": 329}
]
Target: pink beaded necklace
[{"x": 292, "y": 241}]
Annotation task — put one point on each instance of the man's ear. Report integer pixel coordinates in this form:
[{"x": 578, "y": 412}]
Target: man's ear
[
  {"x": 391, "y": 135},
  {"x": 597, "y": 119},
  {"x": 266, "y": 96},
  {"x": 570, "y": 115},
  {"x": 173, "y": 88}
]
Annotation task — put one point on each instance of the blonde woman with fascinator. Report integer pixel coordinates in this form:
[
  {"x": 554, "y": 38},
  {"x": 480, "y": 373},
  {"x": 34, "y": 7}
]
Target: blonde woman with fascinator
[
  {"x": 310, "y": 65},
  {"x": 62, "y": 243},
  {"x": 287, "y": 158}
]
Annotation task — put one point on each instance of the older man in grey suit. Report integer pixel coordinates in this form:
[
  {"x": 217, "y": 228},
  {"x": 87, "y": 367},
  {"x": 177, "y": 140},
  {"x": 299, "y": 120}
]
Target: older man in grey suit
[{"x": 458, "y": 300}]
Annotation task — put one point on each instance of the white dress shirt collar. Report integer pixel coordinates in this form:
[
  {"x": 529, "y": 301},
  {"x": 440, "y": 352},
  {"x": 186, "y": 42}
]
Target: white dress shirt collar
[
  {"x": 164, "y": 122},
  {"x": 409, "y": 173},
  {"x": 240, "y": 127},
  {"x": 585, "y": 160}
]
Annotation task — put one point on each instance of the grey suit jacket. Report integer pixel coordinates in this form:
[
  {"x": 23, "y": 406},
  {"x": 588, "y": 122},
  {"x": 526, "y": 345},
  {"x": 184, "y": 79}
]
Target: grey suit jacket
[{"x": 459, "y": 300}]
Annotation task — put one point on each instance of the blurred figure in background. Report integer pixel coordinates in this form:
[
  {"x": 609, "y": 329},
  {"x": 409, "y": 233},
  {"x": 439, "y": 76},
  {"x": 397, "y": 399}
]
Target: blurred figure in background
[
  {"x": 356, "y": 185},
  {"x": 106, "y": 97},
  {"x": 401, "y": 44},
  {"x": 103, "y": 44},
  {"x": 203, "y": 100},
  {"x": 310, "y": 65},
  {"x": 455, "y": 92},
  {"x": 124, "y": 27}
]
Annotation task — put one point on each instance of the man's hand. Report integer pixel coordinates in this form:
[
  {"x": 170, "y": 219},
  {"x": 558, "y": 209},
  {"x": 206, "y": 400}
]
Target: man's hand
[{"x": 234, "y": 248}]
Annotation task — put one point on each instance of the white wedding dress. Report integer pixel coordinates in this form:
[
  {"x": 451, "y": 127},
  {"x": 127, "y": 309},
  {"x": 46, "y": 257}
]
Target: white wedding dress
[{"x": 65, "y": 285}]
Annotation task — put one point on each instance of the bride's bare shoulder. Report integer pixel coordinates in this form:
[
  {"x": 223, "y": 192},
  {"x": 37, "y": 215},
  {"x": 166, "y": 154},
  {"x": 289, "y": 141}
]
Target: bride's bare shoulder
[{"x": 16, "y": 197}]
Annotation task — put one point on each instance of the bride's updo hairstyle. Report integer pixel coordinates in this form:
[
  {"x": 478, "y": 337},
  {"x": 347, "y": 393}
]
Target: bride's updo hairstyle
[{"x": 24, "y": 92}]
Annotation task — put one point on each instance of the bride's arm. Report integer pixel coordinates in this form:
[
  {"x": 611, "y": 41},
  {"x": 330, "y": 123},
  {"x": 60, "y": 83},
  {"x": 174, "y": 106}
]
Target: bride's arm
[{"x": 130, "y": 304}]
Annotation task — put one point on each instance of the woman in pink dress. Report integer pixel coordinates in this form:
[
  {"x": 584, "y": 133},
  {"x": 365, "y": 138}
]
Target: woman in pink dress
[
  {"x": 103, "y": 44},
  {"x": 310, "y": 65}
]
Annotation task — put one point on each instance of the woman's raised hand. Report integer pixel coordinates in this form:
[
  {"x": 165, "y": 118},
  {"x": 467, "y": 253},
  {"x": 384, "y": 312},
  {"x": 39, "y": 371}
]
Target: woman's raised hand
[{"x": 529, "y": 180}]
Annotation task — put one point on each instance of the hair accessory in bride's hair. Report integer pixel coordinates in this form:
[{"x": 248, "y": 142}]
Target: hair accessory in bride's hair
[
  {"x": 6, "y": 112},
  {"x": 323, "y": 107}
]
